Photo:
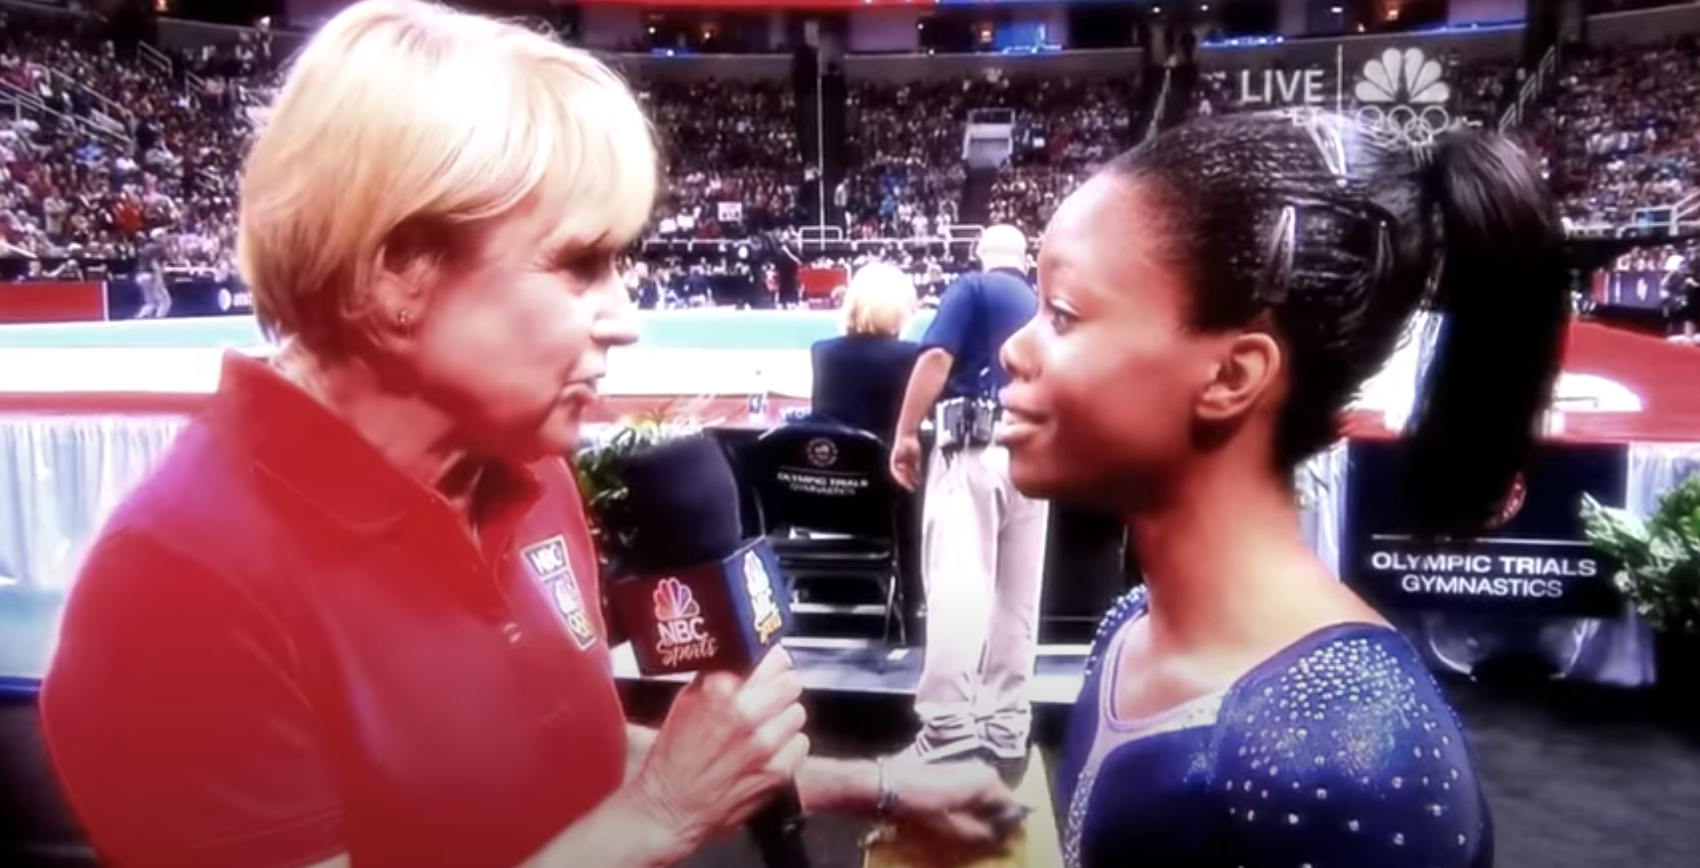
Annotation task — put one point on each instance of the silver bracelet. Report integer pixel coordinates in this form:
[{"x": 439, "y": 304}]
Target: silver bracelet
[{"x": 885, "y": 798}]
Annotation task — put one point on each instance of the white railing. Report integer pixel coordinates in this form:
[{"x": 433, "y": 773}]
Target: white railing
[
  {"x": 154, "y": 57},
  {"x": 1602, "y": 229},
  {"x": 999, "y": 116},
  {"x": 110, "y": 124},
  {"x": 820, "y": 234},
  {"x": 11, "y": 105},
  {"x": 813, "y": 235},
  {"x": 1530, "y": 91},
  {"x": 964, "y": 232},
  {"x": 113, "y": 108},
  {"x": 161, "y": 61},
  {"x": 23, "y": 99},
  {"x": 1688, "y": 208},
  {"x": 1160, "y": 106}
]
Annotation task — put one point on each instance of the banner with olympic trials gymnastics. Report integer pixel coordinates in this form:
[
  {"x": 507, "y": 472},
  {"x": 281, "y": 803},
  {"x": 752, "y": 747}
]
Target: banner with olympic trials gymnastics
[
  {"x": 1399, "y": 93},
  {"x": 1535, "y": 560}
]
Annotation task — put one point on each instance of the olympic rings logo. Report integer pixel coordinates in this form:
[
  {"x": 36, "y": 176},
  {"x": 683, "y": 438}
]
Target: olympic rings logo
[
  {"x": 1406, "y": 126},
  {"x": 1399, "y": 126}
]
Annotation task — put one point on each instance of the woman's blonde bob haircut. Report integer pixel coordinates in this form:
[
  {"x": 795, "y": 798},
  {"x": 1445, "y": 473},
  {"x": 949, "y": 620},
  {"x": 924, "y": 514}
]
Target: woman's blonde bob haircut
[
  {"x": 879, "y": 302},
  {"x": 405, "y": 127}
]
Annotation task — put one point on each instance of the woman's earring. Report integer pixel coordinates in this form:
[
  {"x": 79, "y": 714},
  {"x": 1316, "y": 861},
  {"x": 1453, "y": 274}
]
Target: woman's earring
[{"x": 404, "y": 320}]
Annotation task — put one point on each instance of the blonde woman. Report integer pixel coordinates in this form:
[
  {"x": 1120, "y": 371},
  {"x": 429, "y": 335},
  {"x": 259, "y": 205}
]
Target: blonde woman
[
  {"x": 859, "y": 377},
  {"x": 351, "y": 618}
]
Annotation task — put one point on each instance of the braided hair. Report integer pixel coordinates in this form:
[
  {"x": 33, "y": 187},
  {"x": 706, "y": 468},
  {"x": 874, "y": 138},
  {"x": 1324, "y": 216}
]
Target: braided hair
[{"x": 1335, "y": 238}]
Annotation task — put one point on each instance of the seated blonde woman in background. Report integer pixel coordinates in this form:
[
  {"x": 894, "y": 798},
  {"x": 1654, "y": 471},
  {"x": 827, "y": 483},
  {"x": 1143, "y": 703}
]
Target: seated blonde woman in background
[{"x": 859, "y": 378}]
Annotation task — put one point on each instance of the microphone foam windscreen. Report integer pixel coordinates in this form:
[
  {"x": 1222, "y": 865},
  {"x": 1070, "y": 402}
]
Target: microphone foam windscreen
[{"x": 682, "y": 496}]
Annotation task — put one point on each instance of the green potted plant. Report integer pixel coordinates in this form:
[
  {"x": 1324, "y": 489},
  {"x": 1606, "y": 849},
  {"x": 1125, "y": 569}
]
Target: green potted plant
[
  {"x": 1659, "y": 573},
  {"x": 600, "y": 464}
]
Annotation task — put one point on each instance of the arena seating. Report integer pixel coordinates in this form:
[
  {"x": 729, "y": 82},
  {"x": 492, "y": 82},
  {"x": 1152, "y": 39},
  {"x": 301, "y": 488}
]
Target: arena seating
[
  {"x": 725, "y": 142},
  {"x": 101, "y": 146},
  {"x": 1624, "y": 134}
]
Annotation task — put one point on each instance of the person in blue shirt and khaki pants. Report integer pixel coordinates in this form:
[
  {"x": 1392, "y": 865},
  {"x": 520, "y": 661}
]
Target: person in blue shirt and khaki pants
[{"x": 983, "y": 542}]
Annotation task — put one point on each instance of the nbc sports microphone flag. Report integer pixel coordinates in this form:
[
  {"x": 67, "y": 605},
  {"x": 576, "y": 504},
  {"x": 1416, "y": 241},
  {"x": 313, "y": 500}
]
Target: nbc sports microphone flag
[{"x": 722, "y": 614}]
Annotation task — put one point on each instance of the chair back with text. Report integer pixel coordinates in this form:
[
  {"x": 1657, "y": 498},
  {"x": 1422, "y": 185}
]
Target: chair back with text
[
  {"x": 829, "y": 507},
  {"x": 819, "y": 477}
]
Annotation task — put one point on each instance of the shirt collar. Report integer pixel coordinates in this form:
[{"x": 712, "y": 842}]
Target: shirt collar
[{"x": 280, "y": 432}]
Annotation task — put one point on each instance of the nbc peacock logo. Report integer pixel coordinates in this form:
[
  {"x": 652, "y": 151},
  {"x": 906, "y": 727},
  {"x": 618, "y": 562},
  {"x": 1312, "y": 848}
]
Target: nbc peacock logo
[
  {"x": 1402, "y": 77},
  {"x": 681, "y": 632},
  {"x": 1401, "y": 97},
  {"x": 674, "y": 601}
]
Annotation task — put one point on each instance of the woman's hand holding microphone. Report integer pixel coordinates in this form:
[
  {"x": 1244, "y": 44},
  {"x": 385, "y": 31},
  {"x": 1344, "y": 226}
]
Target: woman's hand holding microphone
[
  {"x": 727, "y": 745},
  {"x": 730, "y": 743}
]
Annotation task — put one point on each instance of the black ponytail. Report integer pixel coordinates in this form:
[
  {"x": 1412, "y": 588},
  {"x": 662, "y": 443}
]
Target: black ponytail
[
  {"x": 1337, "y": 235},
  {"x": 1503, "y": 295}
]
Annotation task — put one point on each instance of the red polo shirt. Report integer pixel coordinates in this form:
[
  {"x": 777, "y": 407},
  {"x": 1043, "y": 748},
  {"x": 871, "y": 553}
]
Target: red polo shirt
[{"x": 281, "y": 649}]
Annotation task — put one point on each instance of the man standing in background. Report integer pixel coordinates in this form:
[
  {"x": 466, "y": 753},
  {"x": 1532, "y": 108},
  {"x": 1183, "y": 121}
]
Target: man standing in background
[
  {"x": 150, "y": 277},
  {"x": 983, "y": 543},
  {"x": 645, "y": 291}
]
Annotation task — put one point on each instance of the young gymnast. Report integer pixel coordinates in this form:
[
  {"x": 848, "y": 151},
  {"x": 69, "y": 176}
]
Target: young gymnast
[{"x": 1210, "y": 303}]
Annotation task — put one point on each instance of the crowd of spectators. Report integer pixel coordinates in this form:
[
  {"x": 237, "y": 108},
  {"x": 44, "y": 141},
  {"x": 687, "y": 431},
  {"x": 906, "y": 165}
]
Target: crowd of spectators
[
  {"x": 1623, "y": 135},
  {"x": 1064, "y": 128},
  {"x": 102, "y": 147},
  {"x": 728, "y": 146},
  {"x": 905, "y": 165}
]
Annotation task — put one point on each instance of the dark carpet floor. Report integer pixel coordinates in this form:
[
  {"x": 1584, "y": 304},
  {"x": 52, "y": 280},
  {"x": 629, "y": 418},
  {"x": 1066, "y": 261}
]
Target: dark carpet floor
[
  {"x": 1585, "y": 777},
  {"x": 1575, "y": 778}
]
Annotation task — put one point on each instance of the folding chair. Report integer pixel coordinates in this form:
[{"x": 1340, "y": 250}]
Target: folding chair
[{"x": 829, "y": 507}]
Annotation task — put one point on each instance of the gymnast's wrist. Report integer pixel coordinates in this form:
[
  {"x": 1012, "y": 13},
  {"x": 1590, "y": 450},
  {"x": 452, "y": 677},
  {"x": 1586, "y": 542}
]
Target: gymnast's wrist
[
  {"x": 885, "y": 791},
  {"x": 838, "y": 786}
]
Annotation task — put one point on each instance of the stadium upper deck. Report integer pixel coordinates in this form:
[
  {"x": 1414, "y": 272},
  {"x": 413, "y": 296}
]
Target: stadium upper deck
[{"x": 102, "y": 148}]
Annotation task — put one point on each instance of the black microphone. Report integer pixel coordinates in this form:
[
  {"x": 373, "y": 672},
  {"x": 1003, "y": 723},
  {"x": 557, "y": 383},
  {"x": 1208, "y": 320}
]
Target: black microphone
[{"x": 699, "y": 596}]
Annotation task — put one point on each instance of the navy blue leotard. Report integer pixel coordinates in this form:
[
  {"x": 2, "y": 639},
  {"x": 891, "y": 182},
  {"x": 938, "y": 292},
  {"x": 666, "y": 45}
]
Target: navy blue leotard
[{"x": 1337, "y": 752}]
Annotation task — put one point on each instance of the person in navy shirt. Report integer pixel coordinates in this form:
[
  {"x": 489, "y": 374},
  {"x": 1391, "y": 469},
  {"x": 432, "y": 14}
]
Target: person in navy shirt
[
  {"x": 983, "y": 542},
  {"x": 1209, "y": 304}
]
